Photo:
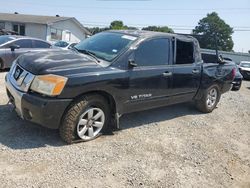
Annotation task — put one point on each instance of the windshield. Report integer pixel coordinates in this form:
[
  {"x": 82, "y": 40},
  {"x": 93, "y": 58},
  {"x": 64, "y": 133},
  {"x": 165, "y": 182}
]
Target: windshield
[
  {"x": 61, "y": 44},
  {"x": 4, "y": 39},
  {"x": 107, "y": 45},
  {"x": 247, "y": 65}
]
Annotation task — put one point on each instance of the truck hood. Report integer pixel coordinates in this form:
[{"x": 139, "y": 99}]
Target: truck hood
[{"x": 56, "y": 61}]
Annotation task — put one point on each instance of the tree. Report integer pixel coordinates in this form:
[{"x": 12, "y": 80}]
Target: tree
[
  {"x": 164, "y": 29},
  {"x": 212, "y": 27},
  {"x": 249, "y": 51},
  {"x": 117, "y": 25}
]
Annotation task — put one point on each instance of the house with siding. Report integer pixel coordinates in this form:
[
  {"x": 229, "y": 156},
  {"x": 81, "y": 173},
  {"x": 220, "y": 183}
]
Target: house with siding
[{"x": 50, "y": 28}]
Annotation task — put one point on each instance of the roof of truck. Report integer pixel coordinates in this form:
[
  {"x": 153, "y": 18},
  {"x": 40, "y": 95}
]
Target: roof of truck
[{"x": 146, "y": 34}]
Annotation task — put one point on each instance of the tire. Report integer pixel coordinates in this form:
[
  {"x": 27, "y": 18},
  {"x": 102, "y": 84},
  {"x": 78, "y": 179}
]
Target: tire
[
  {"x": 236, "y": 88},
  {"x": 203, "y": 104},
  {"x": 86, "y": 119}
]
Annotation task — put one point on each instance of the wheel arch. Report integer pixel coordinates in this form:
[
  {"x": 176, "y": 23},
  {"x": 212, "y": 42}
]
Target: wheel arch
[{"x": 110, "y": 99}]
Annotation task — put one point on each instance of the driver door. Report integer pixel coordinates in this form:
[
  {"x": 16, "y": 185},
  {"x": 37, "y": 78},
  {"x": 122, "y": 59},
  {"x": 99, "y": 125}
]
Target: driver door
[{"x": 150, "y": 81}]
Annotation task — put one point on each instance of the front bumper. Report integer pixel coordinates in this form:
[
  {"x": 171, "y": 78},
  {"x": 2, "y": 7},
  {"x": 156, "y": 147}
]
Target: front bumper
[{"x": 44, "y": 111}]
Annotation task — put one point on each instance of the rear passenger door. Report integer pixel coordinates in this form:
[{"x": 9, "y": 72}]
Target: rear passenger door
[
  {"x": 150, "y": 80},
  {"x": 40, "y": 44},
  {"x": 186, "y": 70}
]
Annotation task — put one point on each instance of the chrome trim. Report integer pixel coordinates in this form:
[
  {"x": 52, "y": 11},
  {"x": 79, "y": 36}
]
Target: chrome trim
[
  {"x": 17, "y": 95},
  {"x": 24, "y": 81}
]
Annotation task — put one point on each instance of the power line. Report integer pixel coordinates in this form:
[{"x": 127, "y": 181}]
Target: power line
[
  {"x": 139, "y": 8},
  {"x": 145, "y": 25}
]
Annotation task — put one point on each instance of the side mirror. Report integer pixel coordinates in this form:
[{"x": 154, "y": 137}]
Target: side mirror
[
  {"x": 131, "y": 63},
  {"x": 13, "y": 47}
]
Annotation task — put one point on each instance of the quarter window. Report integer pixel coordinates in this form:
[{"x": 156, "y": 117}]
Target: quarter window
[{"x": 153, "y": 52}]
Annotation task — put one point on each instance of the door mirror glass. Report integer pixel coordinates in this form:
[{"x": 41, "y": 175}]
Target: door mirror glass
[{"x": 14, "y": 46}]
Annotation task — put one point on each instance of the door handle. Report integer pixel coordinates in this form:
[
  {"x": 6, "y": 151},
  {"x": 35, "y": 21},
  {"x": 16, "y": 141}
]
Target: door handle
[
  {"x": 167, "y": 74},
  {"x": 195, "y": 71}
]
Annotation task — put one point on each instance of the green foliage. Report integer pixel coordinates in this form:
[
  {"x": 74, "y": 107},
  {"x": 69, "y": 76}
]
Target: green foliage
[
  {"x": 212, "y": 27},
  {"x": 164, "y": 29},
  {"x": 117, "y": 25}
]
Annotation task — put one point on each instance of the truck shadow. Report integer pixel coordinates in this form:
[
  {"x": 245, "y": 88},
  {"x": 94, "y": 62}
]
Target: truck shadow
[
  {"x": 4, "y": 70},
  {"x": 19, "y": 134}
]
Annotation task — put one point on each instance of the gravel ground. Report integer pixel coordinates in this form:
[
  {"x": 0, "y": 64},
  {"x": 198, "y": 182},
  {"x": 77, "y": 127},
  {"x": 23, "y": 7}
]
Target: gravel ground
[{"x": 168, "y": 147}]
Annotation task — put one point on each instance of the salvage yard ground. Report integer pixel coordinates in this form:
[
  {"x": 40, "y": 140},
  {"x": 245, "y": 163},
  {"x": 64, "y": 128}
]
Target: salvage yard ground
[{"x": 173, "y": 146}]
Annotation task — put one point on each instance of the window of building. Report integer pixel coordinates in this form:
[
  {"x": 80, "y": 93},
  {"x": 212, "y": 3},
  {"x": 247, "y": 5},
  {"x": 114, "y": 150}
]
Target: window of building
[
  {"x": 56, "y": 34},
  {"x": 184, "y": 52},
  {"x": 153, "y": 52},
  {"x": 2, "y": 25},
  {"x": 19, "y": 28}
]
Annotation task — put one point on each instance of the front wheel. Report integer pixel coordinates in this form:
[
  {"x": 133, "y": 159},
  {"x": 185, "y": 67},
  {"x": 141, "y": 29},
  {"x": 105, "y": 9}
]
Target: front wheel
[
  {"x": 209, "y": 100},
  {"x": 86, "y": 119}
]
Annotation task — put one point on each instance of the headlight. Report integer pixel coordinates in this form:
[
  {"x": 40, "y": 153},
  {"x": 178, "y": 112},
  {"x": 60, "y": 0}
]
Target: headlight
[{"x": 51, "y": 85}]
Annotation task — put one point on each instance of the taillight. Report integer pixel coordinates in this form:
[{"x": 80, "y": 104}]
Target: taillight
[{"x": 233, "y": 72}]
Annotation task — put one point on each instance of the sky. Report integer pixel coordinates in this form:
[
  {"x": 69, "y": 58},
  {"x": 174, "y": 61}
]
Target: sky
[{"x": 180, "y": 15}]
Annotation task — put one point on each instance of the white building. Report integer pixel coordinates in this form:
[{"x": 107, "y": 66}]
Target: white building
[{"x": 50, "y": 28}]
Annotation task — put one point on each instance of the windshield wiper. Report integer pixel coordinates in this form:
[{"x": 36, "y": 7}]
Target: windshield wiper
[{"x": 92, "y": 54}]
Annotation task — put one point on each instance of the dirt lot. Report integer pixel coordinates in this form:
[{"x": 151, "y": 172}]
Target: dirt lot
[{"x": 168, "y": 147}]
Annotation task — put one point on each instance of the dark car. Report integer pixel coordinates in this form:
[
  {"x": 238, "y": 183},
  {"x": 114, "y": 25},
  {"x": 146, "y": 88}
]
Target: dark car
[
  {"x": 212, "y": 58},
  {"x": 244, "y": 67},
  {"x": 11, "y": 46},
  {"x": 112, "y": 73}
]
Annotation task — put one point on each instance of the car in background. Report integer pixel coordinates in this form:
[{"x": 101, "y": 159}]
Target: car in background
[
  {"x": 245, "y": 69},
  {"x": 212, "y": 58},
  {"x": 11, "y": 46},
  {"x": 65, "y": 45}
]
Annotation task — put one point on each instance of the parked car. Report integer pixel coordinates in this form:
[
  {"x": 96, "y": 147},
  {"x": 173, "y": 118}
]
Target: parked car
[
  {"x": 110, "y": 74},
  {"x": 11, "y": 46},
  {"x": 212, "y": 58},
  {"x": 237, "y": 80},
  {"x": 65, "y": 45},
  {"x": 245, "y": 69}
]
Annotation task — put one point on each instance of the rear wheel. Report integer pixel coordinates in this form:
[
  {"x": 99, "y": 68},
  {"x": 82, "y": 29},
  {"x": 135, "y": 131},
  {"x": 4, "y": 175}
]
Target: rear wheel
[
  {"x": 209, "y": 100},
  {"x": 86, "y": 119}
]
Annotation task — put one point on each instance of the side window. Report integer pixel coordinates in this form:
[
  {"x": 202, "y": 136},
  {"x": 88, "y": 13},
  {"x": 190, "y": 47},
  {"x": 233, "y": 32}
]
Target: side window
[
  {"x": 24, "y": 43},
  {"x": 209, "y": 58},
  {"x": 184, "y": 52},
  {"x": 153, "y": 52},
  {"x": 40, "y": 44}
]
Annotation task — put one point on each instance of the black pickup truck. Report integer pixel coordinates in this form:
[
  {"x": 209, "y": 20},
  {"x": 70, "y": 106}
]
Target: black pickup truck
[{"x": 81, "y": 91}]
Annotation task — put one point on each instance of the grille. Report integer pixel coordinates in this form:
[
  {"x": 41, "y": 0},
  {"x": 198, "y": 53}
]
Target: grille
[{"x": 20, "y": 78}]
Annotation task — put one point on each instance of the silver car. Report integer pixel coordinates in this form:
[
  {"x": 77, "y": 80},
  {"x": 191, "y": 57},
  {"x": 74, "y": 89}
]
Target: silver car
[{"x": 11, "y": 46}]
